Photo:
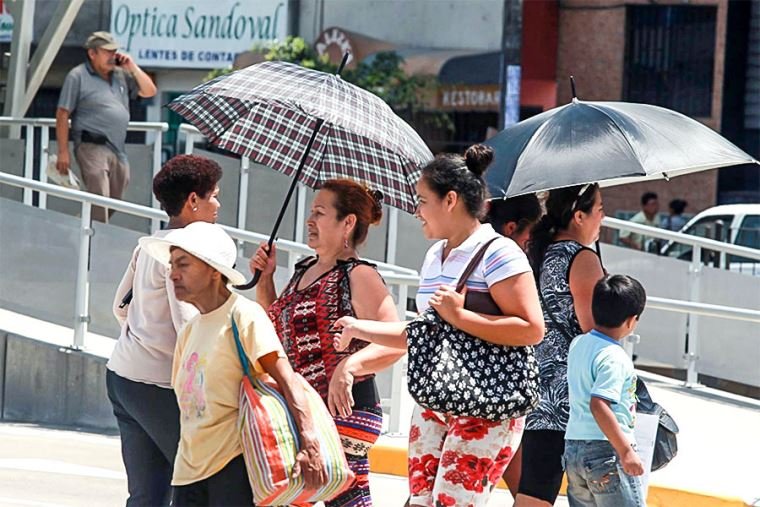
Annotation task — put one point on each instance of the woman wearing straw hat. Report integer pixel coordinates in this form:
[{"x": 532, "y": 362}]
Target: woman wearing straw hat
[
  {"x": 138, "y": 375},
  {"x": 209, "y": 468}
]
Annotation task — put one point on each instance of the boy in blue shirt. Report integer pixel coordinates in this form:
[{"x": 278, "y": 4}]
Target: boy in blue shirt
[{"x": 600, "y": 459}]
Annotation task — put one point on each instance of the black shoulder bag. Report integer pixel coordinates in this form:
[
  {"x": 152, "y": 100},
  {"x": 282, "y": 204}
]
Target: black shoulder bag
[{"x": 456, "y": 373}]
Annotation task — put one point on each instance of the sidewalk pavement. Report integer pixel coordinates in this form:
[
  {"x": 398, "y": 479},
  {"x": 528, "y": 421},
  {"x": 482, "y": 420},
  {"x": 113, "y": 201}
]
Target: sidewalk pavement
[{"x": 43, "y": 467}]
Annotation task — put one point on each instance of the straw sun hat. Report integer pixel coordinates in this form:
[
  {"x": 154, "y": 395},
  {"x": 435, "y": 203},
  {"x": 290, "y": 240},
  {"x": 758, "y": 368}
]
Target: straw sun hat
[{"x": 208, "y": 242}]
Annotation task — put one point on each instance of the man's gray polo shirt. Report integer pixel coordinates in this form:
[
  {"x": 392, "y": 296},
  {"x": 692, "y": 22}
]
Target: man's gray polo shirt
[{"x": 98, "y": 106}]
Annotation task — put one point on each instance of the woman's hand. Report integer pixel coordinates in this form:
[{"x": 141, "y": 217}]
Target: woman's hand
[
  {"x": 309, "y": 463},
  {"x": 345, "y": 332},
  {"x": 340, "y": 400},
  {"x": 264, "y": 260},
  {"x": 448, "y": 303}
]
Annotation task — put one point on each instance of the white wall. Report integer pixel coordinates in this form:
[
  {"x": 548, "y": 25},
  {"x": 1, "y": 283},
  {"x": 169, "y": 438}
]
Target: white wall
[{"x": 468, "y": 24}]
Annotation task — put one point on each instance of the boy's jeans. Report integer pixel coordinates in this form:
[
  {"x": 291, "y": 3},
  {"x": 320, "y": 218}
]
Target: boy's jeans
[{"x": 595, "y": 476}]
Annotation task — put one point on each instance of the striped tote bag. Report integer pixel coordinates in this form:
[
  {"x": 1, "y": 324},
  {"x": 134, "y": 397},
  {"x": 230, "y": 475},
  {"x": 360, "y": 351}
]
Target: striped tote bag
[{"x": 269, "y": 437}]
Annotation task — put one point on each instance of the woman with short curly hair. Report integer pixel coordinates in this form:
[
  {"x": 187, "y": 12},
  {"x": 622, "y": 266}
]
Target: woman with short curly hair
[{"x": 138, "y": 375}]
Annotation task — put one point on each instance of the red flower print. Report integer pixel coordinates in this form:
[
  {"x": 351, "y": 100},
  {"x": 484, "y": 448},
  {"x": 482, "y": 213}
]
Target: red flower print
[
  {"x": 419, "y": 484},
  {"x": 500, "y": 464},
  {"x": 472, "y": 428},
  {"x": 414, "y": 434},
  {"x": 449, "y": 458},
  {"x": 429, "y": 415},
  {"x": 467, "y": 463},
  {"x": 444, "y": 500},
  {"x": 475, "y": 472},
  {"x": 429, "y": 464},
  {"x": 454, "y": 477},
  {"x": 517, "y": 424}
]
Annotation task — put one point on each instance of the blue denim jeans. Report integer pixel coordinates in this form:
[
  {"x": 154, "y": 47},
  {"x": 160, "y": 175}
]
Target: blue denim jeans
[{"x": 596, "y": 478}]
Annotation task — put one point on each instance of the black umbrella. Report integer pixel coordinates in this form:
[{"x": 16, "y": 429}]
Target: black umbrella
[
  {"x": 311, "y": 125},
  {"x": 606, "y": 142}
]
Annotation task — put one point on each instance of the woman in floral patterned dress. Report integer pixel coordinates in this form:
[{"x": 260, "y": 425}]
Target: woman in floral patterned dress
[
  {"x": 323, "y": 289},
  {"x": 455, "y": 460}
]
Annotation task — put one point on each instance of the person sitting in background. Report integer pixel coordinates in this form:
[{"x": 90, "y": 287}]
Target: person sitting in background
[
  {"x": 675, "y": 219},
  {"x": 647, "y": 216},
  {"x": 600, "y": 457}
]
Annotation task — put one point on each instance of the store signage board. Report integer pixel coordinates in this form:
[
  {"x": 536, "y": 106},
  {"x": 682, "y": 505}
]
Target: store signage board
[{"x": 196, "y": 35}]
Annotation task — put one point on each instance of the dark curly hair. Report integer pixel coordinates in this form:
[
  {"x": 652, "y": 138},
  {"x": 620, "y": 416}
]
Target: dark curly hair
[
  {"x": 560, "y": 206},
  {"x": 463, "y": 175},
  {"x": 524, "y": 210},
  {"x": 182, "y": 175},
  {"x": 353, "y": 198}
]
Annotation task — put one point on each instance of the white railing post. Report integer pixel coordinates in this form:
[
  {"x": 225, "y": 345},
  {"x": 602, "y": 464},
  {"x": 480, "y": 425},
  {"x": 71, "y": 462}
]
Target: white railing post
[
  {"x": 392, "y": 238},
  {"x": 300, "y": 212},
  {"x": 245, "y": 171},
  {"x": 157, "y": 148},
  {"x": 82, "y": 303},
  {"x": 44, "y": 156},
  {"x": 242, "y": 211},
  {"x": 398, "y": 371},
  {"x": 189, "y": 143},
  {"x": 629, "y": 344},
  {"x": 692, "y": 329},
  {"x": 29, "y": 161}
]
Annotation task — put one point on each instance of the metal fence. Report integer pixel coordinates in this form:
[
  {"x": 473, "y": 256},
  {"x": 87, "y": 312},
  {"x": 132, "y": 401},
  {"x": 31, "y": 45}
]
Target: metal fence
[{"x": 400, "y": 280}]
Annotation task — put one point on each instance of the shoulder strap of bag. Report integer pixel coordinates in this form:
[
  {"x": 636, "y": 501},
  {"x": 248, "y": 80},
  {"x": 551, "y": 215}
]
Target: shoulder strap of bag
[
  {"x": 241, "y": 351},
  {"x": 473, "y": 263},
  {"x": 559, "y": 326}
]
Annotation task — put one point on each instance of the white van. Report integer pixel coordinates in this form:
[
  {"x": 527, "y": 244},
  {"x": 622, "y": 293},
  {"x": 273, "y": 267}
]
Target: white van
[{"x": 732, "y": 223}]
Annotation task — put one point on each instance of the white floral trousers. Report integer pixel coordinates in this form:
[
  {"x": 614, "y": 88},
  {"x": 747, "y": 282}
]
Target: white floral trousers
[{"x": 456, "y": 461}]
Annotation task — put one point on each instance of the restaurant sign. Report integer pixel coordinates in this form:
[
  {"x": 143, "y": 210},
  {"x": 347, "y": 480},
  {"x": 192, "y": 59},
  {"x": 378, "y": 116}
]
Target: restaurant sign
[
  {"x": 462, "y": 98},
  {"x": 201, "y": 35}
]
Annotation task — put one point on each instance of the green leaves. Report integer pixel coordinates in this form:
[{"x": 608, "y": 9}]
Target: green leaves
[{"x": 381, "y": 74}]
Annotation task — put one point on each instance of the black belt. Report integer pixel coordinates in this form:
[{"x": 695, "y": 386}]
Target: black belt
[{"x": 90, "y": 137}]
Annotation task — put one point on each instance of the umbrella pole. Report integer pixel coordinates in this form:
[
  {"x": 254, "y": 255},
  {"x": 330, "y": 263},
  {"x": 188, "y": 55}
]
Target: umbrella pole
[{"x": 284, "y": 207}]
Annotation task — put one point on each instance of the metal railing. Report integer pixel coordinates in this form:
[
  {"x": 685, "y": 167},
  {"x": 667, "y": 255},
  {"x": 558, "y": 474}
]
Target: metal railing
[
  {"x": 394, "y": 275},
  {"x": 42, "y": 126},
  {"x": 399, "y": 279},
  {"x": 693, "y": 308}
]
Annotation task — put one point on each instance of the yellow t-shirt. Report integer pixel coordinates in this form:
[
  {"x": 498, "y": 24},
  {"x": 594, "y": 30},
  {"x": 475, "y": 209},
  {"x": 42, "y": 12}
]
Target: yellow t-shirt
[{"x": 206, "y": 376}]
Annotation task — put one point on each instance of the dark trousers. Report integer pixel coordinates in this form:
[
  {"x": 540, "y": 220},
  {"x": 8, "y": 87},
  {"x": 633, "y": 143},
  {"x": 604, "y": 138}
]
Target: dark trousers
[
  {"x": 148, "y": 419},
  {"x": 229, "y": 487}
]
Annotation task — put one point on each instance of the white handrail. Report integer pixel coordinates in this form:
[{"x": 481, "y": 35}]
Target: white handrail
[
  {"x": 145, "y": 126},
  {"x": 391, "y": 273},
  {"x": 679, "y": 237}
]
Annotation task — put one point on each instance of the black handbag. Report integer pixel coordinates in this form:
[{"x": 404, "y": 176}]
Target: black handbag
[
  {"x": 665, "y": 442},
  {"x": 455, "y": 373}
]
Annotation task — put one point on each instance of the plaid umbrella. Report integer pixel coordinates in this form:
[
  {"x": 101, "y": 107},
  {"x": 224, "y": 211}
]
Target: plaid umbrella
[
  {"x": 311, "y": 125},
  {"x": 282, "y": 115}
]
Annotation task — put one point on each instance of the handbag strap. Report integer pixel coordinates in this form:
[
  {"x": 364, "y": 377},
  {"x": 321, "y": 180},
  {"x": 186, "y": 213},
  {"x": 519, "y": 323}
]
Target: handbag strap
[
  {"x": 473, "y": 263},
  {"x": 241, "y": 351},
  {"x": 559, "y": 326}
]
